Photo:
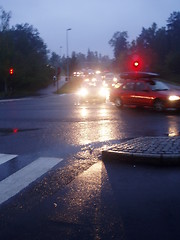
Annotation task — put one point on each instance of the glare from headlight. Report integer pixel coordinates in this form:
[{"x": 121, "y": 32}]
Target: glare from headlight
[
  {"x": 94, "y": 79},
  {"x": 104, "y": 92},
  {"x": 174, "y": 98},
  {"x": 105, "y": 84},
  {"x": 83, "y": 92}
]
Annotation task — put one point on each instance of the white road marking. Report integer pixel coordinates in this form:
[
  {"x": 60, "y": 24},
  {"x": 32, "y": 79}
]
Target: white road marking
[
  {"x": 6, "y": 157},
  {"x": 16, "y": 182}
]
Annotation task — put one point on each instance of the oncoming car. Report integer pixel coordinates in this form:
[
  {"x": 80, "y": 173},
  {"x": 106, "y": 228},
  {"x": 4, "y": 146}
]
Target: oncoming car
[
  {"x": 144, "y": 90},
  {"x": 92, "y": 91},
  {"x": 109, "y": 80}
]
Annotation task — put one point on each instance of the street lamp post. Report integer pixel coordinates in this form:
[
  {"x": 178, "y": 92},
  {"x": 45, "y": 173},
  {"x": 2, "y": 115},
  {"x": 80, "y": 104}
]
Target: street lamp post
[
  {"x": 59, "y": 76},
  {"x": 67, "y": 30},
  {"x": 60, "y": 51}
]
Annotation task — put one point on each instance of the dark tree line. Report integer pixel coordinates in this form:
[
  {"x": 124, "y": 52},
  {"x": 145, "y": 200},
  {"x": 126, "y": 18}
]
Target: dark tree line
[
  {"x": 79, "y": 61},
  {"x": 157, "y": 49},
  {"x": 22, "y": 49}
]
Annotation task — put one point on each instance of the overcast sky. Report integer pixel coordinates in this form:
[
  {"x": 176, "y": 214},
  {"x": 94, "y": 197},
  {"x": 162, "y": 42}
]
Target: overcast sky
[{"x": 93, "y": 22}]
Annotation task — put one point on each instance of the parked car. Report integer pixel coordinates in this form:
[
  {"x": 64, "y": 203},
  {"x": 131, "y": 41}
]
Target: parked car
[{"x": 144, "y": 90}]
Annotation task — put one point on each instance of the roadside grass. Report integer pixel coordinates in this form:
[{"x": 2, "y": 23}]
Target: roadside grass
[{"x": 71, "y": 86}]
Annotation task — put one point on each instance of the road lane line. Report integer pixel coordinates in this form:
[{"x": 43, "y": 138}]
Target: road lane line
[
  {"x": 19, "y": 180},
  {"x": 6, "y": 157}
]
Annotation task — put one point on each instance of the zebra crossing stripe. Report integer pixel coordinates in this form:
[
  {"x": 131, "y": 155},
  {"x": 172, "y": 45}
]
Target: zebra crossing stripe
[
  {"x": 19, "y": 180},
  {"x": 6, "y": 157}
]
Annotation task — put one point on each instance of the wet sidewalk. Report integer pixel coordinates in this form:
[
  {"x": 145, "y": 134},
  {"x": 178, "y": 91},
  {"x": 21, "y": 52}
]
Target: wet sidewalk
[{"x": 154, "y": 150}]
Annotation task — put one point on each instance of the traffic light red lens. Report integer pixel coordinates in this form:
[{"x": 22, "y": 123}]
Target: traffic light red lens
[
  {"x": 11, "y": 71},
  {"x": 136, "y": 64}
]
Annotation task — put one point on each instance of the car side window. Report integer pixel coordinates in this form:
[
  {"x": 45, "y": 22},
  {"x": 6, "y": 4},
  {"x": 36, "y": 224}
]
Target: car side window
[
  {"x": 140, "y": 86},
  {"x": 129, "y": 86}
]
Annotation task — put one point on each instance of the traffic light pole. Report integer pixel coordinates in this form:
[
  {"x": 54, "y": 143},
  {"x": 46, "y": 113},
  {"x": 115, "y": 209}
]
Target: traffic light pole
[
  {"x": 9, "y": 78},
  {"x": 5, "y": 87}
]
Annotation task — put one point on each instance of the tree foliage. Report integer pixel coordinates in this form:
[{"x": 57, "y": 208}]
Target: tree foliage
[
  {"x": 4, "y": 19},
  {"x": 158, "y": 48},
  {"x": 22, "y": 49},
  {"x": 119, "y": 42},
  {"x": 79, "y": 61}
]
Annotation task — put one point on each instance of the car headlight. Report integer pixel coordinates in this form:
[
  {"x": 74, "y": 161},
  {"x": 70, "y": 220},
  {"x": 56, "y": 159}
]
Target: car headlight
[
  {"x": 105, "y": 84},
  {"x": 94, "y": 80},
  {"x": 114, "y": 79},
  {"x": 174, "y": 98},
  {"x": 104, "y": 92},
  {"x": 83, "y": 92}
]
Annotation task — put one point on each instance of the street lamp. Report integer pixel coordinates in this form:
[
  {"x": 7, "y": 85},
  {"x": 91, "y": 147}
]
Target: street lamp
[
  {"x": 67, "y": 30},
  {"x": 60, "y": 51},
  {"x": 59, "y": 69}
]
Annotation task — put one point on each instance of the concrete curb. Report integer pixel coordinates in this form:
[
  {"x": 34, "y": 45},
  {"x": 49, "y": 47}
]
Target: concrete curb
[{"x": 150, "y": 150}]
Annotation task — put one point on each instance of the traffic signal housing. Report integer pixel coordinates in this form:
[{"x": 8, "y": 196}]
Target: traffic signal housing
[{"x": 11, "y": 71}]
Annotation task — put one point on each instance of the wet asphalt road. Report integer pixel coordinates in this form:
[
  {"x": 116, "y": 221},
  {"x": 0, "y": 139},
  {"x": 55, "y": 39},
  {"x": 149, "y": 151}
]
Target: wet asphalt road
[{"x": 83, "y": 197}]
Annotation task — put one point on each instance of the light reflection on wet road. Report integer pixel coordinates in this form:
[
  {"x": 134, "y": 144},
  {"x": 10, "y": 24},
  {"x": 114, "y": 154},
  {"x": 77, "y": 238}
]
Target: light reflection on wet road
[
  {"x": 59, "y": 122},
  {"x": 85, "y": 196}
]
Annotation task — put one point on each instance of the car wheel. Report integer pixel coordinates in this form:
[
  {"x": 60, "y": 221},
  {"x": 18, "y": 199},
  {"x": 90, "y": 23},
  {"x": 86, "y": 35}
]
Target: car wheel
[
  {"x": 159, "y": 105},
  {"x": 118, "y": 102}
]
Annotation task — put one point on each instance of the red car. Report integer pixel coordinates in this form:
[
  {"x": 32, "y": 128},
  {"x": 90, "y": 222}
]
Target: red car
[{"x": 144, "y": 90}]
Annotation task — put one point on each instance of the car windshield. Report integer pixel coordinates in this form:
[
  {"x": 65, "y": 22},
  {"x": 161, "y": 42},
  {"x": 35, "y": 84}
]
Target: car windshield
[
  {"x": 91, "y": 84},
  {"x": 158, "y": 86}
]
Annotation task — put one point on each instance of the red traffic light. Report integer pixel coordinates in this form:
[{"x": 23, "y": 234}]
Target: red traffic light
[
  {"x": 136, "y": 64},
  {"x": 11, "y": 71}
]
